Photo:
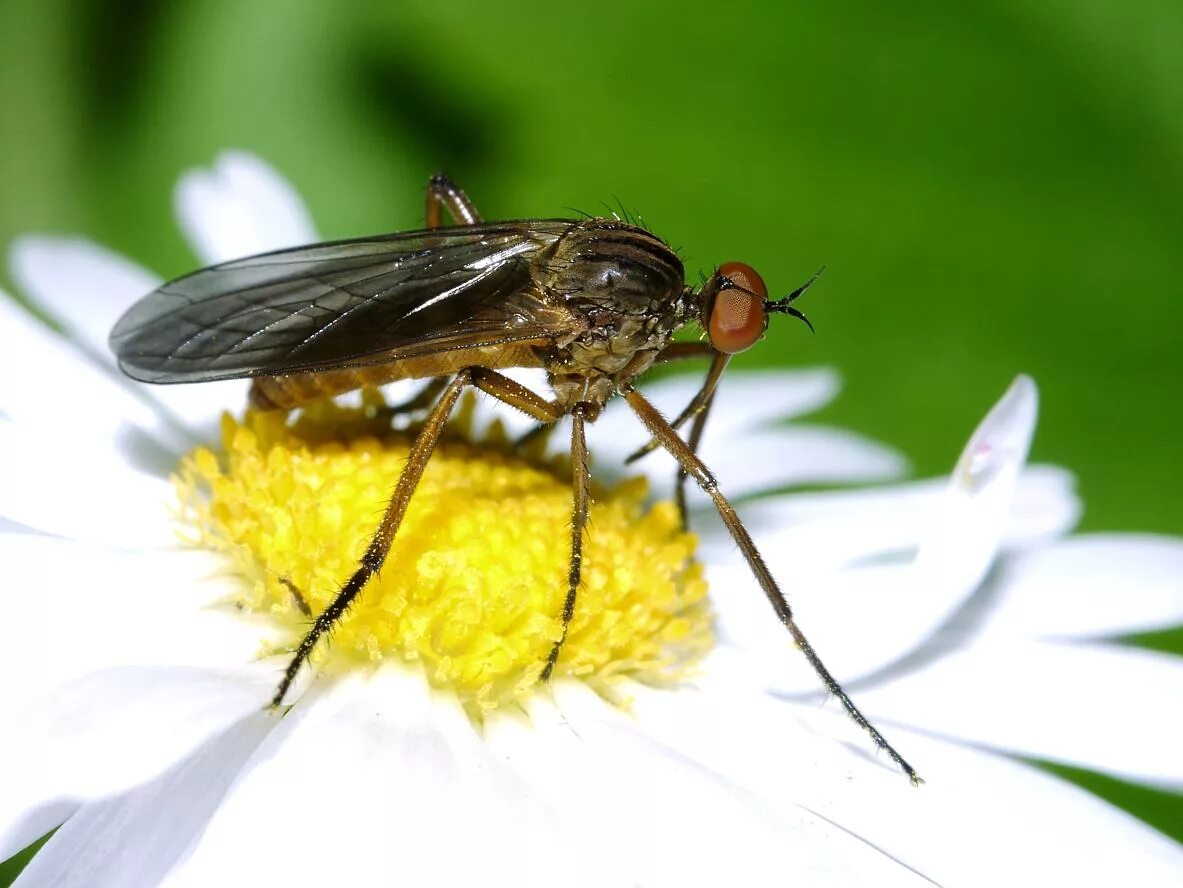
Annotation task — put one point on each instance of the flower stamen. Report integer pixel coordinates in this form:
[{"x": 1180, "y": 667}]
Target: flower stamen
[{"x": 474, "y": 583}]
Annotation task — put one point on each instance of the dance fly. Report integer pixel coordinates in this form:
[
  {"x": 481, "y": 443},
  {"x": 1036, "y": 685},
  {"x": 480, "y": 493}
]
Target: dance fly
[{"x": 595, "y": 302}]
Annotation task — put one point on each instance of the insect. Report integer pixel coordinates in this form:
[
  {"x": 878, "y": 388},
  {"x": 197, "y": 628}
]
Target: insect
[{"x": 595, "y": 302}]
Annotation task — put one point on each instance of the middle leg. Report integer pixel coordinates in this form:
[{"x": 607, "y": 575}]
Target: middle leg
[
  {"x": 581, "y": 488},
  {"x": 509, "y": 392}
]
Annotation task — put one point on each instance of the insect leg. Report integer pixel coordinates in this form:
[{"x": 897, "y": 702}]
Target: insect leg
[
  {"x": 581, "y": 484},
  {"x": 379, "y": 545},
  {"x": 661, "y": 430},
  {"x": 516, "y": 395},
  {"x": 530, "y": 403},
  {"x": 506, "y": 390},
  {"x": 698, "y": 405},
  {"x": 692, "y": 441},
  {"x": 443, "y": 192},
  {"x": 421, "y": 400}
]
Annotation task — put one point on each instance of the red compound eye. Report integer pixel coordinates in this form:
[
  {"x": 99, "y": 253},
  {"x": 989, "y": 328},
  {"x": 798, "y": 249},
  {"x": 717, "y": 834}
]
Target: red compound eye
[
  {"x": 744, "y": 277},
  {"x": 738, "y": 318}
]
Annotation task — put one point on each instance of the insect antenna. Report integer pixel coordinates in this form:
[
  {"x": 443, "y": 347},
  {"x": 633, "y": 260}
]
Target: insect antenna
[{"x": 785, "y": 305}]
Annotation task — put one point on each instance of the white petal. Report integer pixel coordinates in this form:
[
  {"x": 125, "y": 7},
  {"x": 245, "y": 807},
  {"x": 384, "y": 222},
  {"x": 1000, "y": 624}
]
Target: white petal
[
  {"x": 49, "y": 385},
  {"x": 75, "y": 493},
  {"x": 841, "y": 558},
  {"x": 136, "y": 837},
  {"x": 848, "y": 525},
  {"x": 200, "y": 406},
  {"x": 668, "y": 820},
  {"x": 385, "y": 772},
  {"x": 239, "y": 208},
  {"x": 747, "y": 399},
  {"x": 1095, "y": 585},
  {"x": 862, "y": 618},
  {"x": 966, "y": 530},
  {"x": 850, "y": 618},
  {"x": 1045, "y": 829},
  {"x": 83, "y": 286},
  {"x": 772, "y": 458},
  {"x": 1046, "y": 507},
  {"x": 842, "y": 527},
  {"x": 153, "y": 609},
  {"x": 8, "y": 526},
  {"x": 107, "y": 732},
  {"x": 865, "y": 616},
  {"x": 1095, "y": 706},
  {"x": 744, "y": 399}
]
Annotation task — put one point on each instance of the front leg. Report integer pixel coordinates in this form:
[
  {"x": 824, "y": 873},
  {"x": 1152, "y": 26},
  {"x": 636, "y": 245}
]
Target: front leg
[
  {"x": 698, "y": 408},
  {"x": 689, "y": 462},
  {"x": 700, "y": 403}
]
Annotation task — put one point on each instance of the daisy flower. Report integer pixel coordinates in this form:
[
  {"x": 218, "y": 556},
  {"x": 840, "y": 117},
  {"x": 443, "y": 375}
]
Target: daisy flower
[{"x": 683, "y": 742}]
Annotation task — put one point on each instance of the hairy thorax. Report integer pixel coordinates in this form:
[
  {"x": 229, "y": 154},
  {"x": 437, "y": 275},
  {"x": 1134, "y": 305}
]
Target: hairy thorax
[
  {"x": 626, "y": 289},
  {"x": 596, "y": 365}
]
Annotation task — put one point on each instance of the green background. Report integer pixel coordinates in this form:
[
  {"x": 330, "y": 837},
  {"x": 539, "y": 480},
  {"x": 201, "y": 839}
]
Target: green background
[{"x": 994, "y": 187}]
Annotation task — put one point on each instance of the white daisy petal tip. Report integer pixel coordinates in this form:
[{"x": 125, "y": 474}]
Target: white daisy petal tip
[
  {"x": 239, "y": 207},
  {"x": 999, "y": 445},
  {"x": 965, "y": 528}
]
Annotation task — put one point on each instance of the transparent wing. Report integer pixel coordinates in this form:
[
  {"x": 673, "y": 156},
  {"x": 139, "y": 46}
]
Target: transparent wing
[{"x": 345, "y": 303}]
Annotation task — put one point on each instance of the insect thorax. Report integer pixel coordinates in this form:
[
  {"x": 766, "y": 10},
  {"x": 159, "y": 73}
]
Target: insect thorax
[{"x": 626, "y": 289}]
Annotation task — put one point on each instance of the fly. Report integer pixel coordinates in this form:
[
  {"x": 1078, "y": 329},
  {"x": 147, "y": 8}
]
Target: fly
[{"x": 595, "y": 302}]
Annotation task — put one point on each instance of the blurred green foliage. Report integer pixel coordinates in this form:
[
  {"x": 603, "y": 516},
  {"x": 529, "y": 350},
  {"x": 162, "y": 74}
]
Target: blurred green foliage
[{"x": 995, "y": 187}]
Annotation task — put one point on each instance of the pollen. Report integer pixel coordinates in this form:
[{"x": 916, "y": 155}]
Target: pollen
[{"x": 472, "y": 590}]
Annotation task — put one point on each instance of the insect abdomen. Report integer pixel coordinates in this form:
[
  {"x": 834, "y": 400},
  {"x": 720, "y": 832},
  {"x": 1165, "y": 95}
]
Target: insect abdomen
[
  {"x": 296, "y": 389},
  {"x": 286, "y": 392}
]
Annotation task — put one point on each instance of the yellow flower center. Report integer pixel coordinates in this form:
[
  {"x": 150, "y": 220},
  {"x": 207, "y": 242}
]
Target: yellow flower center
[{"x": 474, "y": 584}]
